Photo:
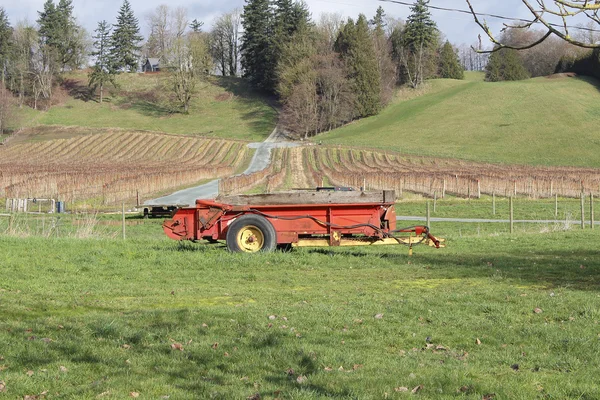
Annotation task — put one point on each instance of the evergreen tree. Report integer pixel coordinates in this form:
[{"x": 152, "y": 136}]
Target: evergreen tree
[
  {"x": 355, "y": 45},
  {"x": 378, "y": 21},
  {"x": 257, "y": 42},
  {"x": 449, "y": 63},
  {"x": 48, "y": 22},
  {"x": 415, "y": 47},
  {"x": 288, "y": 18},
  {"x": 268, "y": 27},
  {"x": 5, "y": 43},
  {"x": 196, "y": 26},
  {"x": 59, "y": 31},
  {"x": 102, "y": 72},
  {"x": 421, "y": 30},
  {"x": 505, "y": 65},
  {"x": 124, "y": 46},
  {"x": 67, "y": 34}
]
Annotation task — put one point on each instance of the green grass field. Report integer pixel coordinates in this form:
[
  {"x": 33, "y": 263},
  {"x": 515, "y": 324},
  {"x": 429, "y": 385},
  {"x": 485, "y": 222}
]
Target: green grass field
[
  {"x": 539, "y": 121},
  {"x": 514, "y": 316},
  {"x": 225, "y": 108}
]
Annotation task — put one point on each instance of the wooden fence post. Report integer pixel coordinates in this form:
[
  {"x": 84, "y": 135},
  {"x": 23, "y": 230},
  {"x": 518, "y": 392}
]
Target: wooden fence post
[
  {"x": 591, "y": 211},
  {"x": 555, "y": 205},
  {"x": 510, "y": 201},
  {"x": 444, "y": 190},
  {"x": 123, "y": 221},
  {"x": 427, "y": 215},
  {"x": 434, "y": 202},
  {"x": 494, "y": 202},
  {"x": 582, "y": 212}
]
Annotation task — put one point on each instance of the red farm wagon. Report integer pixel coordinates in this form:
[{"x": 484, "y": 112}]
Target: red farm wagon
[{"x": 254, "y": 223}]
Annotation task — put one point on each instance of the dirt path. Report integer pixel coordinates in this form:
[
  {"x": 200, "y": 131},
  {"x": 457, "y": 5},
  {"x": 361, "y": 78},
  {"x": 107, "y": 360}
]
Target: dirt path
[{"x": 210, "y": 190}]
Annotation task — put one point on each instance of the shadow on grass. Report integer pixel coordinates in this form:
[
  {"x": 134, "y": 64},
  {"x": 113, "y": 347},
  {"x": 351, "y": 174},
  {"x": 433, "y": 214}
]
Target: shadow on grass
[
  {"x": 78, "y": 89},
  {"x": 261, "y": 121},
  {"x": 201, "y": 246},
  {"x": 149, "y": 109},
  {"x": 578, "y": 268}
]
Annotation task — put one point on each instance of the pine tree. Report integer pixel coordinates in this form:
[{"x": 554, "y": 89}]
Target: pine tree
[
  {"x": 420, "y": 30},
  {"x": 415, "y": 47},
  {"x": 67, "y": 33},
  {"x": 49, "y": 23},
  {"x": 257, "y": 42},
  {"x": 355, "y": 45},
  {"x": 5, "y": 43},
  {"x": 196, "y": 26},
  {"x": 505, "y": 65},
  {"x": 288, "y": 18},
  {"x": 124, "y": 47},
  {"x": 268, "y": 27},
  {"x": 59, "y": 31},
  {"x": 378, "y": 21},
  {"x": 102, "y": 72},
  {"x": 449, "y": 63}
]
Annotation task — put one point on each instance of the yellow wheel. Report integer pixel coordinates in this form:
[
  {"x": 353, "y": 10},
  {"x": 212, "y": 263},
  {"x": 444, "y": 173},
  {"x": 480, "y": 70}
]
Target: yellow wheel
[
  {"x": 251, "y": 233},
  {"x": 250, "y": 239}
]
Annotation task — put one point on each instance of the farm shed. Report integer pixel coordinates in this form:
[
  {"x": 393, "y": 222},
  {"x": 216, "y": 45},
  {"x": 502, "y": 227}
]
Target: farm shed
[{"x": 152, "y": 65}]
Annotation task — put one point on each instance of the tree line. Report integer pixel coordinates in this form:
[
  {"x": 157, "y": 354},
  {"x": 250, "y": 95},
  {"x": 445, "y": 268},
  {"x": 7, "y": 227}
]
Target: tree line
[{"x": 331, "y": 71}]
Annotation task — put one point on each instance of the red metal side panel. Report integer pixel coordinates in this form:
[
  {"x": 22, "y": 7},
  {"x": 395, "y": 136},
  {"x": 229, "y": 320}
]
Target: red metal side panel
[
  {"x": 183, "y": 225},
  {"x": 289, "y": 221}
]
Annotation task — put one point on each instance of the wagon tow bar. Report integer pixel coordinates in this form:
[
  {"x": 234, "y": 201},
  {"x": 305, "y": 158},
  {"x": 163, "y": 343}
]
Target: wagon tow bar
[{"x": 421, "y": 230}]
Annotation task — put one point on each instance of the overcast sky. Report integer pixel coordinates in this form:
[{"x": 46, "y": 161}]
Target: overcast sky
[{"x": 458, "y": 28}]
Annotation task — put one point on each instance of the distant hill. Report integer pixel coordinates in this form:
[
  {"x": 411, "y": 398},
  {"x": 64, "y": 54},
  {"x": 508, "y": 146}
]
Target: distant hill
[
  {"x": 543, "y": 121},
  {"x": 223, "y": 108}
]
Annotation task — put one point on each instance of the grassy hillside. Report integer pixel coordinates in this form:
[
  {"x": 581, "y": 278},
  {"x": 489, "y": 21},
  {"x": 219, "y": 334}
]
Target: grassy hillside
[
  {"x": 224, "y": 108},
  {"x": 541, "y": 121}
]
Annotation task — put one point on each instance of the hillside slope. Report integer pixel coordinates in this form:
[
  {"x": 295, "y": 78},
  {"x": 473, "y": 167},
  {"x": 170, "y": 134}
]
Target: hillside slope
[
  {"x": 542, "y": 121},
  {"x": 223, "y": 108}
]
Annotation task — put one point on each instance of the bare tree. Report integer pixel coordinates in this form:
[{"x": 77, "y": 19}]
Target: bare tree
[
  {"x": 25, "y": 40},
  {"x": 166, "y": 26},
  {"x": 300, "y": 113},
  {"x": 159, "y": 39},
  {"x": 540, "y": 60},
  {"x": 329, "y": 25},
  {"x": 178, "y": 23},
  {"x": 191, "y": 65},
  {"x": 554, "y": 16},
  {"x": 44, "y": 67},
  {"x": 225, "y": 43},
  {"x": 470, "y": 59}
]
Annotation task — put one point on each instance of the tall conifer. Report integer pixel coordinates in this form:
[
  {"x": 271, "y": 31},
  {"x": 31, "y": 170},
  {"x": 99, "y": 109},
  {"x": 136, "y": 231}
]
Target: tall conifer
[
  {"x": 449, "y": 63},
  {"x": 124, "y": 47},
  {"x": 420, "y": 30},
  {"x": 5, "y": 43},
  {"x": 103, "y": 71},
  {"x": 355, "y": 45},
  {"x": 257, "y": 41}
]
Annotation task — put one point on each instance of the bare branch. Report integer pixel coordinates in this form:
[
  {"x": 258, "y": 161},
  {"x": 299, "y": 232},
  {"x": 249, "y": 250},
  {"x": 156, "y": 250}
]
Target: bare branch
[{"x": 564, "y": 10}]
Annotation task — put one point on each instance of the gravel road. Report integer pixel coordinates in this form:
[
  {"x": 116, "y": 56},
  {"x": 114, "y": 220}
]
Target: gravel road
[{"x": 210, "y": 190}]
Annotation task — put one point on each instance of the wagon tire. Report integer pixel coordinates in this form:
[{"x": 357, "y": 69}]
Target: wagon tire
[{"x": 251, "y": 234}]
